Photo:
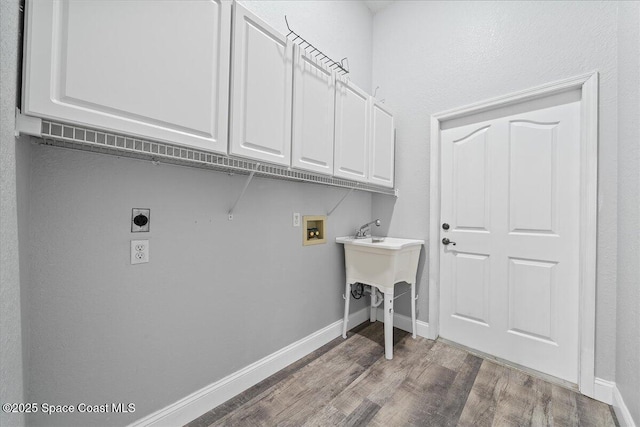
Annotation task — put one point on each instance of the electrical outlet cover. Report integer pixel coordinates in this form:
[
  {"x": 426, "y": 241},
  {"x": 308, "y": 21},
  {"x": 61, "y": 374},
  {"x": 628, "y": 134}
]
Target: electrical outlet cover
[
  {"x": 139, "y": 251},
  {"x": 140, "y": 220}
]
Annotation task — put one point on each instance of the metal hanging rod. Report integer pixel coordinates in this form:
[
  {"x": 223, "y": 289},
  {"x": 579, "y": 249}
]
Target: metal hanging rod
[{"x": 338, "y": 67}]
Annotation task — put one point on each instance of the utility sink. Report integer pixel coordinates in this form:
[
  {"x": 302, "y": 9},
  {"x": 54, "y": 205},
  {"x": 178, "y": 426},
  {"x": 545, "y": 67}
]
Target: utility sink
[{"x": 381, "y": 263}]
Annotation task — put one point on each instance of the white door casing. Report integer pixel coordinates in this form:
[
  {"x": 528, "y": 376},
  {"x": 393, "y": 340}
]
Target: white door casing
[
  {"x": 167, "y": 80},
  {"x": 313, "y": 114},
  {"x": 587, "y": 87},
  {"x": 261, "y": 90},
  {"x": 510, "y": 193}
]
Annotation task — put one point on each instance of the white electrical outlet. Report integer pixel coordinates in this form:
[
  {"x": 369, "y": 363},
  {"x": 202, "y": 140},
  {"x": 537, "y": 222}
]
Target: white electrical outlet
[
  {"x": 296, "y": 219},
  {"x": 139, "y": 251}
]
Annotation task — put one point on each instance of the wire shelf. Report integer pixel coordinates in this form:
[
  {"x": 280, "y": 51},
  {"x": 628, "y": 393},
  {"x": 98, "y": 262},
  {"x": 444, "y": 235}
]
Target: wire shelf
[
  {"x": 87, "y": 139},
  {"x": 310, "y": 49}
]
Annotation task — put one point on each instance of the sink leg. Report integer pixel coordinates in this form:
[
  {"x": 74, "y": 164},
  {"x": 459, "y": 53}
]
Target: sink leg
[
  {"x": 413, "y": 309},
  {"x": 347, "y": 299},
  {"x": 388, "y": 326},
  {"x": 373, "y": 312}
]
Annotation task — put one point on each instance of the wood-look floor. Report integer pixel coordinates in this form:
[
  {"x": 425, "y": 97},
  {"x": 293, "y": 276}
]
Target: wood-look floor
[{"x": 428, "y": 383}]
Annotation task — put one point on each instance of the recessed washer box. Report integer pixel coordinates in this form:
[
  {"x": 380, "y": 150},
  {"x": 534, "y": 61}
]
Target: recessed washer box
[
  {"x": 140, "y": 220},
  {"x": 314, "y": 229}
]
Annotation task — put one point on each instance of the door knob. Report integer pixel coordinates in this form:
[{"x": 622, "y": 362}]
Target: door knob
[{"x": 446, "y": 241}]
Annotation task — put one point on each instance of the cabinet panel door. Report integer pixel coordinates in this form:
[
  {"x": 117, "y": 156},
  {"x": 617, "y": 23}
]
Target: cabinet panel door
[
  {"x": 158, "y": 70},
  {"x": 313, "y": 115},
  {"x": 351, "y": 132},
  {"x": 382, "y": 147},
  {"x": 261, "y": 91}
]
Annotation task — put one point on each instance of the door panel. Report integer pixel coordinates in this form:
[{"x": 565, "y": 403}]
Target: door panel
[
  {"x": 532, "y": 298},
  {"x": 471, "y": 184},
  {"x": 261, "y": 91},
  {"x": 510, "y": 192},
  {"x": 471, "y": 287},
  {"x": 533, "y": 163}
]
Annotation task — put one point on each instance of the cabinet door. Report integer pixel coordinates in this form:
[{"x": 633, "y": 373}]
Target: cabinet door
[
  {"x": 351, "y": 132},
  {"x": 261, "y": 90},
  {"x": 382, "y": 148},
  {"x": 158, "y": 70},
  {"x": 313, "y": 114}
]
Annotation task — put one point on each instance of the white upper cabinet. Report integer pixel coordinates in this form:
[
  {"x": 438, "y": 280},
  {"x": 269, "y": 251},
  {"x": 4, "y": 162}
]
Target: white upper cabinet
[
  {"x": 351, "y": 132},
  {"x": 313, "y": 114},
  {"x": 382, "y": 148},
  {"x": 261, "y": 91},
  {"x": 156, "y": 69}
]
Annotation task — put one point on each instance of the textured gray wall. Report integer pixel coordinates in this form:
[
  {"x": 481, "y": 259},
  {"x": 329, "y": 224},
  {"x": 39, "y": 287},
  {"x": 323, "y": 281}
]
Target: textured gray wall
[
  {"x": 628, "y": 309},
  {"x": 432, "y": 56},
  {"x": 11, "y": 367},
  {"x": 216, "y": 295}
]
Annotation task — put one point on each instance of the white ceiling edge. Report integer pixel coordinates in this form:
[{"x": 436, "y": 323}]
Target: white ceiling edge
[{"x": 377, "y": 5}]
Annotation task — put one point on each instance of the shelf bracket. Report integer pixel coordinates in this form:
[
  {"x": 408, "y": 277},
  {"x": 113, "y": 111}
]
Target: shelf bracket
[
  {"x": 340, "y": 202},
  {"x": 246, "y": 184}
]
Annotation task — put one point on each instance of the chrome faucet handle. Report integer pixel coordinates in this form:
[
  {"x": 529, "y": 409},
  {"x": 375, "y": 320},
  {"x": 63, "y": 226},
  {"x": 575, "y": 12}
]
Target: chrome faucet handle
[{"x": 361, "y": 233}]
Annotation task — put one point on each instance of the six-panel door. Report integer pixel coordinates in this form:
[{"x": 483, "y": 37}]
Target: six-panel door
[
  {"x": 153, "y": 69},
  {"x": 313, "y": 114},
  {"x": 261, "y": 91}
]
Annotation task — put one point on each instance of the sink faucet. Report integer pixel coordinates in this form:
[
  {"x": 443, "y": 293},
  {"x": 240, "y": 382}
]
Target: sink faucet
[{"x": 361, "y": 233}]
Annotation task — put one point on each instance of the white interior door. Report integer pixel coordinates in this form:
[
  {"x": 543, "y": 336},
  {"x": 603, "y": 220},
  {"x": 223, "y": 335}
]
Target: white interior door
[{"x": 510, "y": 194}]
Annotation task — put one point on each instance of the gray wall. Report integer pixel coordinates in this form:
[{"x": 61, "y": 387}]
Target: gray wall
[
  {"x": 11, "y": 349},
  {"x": 216, "y": 295},
  {"x": 628, "y": 308},
  {"x": 432, "y": 56}
]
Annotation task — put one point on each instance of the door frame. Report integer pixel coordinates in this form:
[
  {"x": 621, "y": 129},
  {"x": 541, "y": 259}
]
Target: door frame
[{"x": 588, "y": 85}]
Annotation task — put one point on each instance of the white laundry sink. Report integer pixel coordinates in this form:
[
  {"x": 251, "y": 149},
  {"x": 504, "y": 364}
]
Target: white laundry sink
[{"x": 381, "y": 264}]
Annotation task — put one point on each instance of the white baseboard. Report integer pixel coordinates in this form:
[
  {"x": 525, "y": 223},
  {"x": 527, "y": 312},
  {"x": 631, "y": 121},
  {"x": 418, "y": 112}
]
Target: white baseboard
[
  {"x": 207, "y": 398},
  {"x": 403, "y": 322},
  {"x": 622, "y": 412},
  {"x": 607, "y": 392},
  {"x": 603, "y": 390}
]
